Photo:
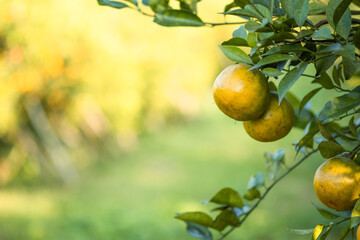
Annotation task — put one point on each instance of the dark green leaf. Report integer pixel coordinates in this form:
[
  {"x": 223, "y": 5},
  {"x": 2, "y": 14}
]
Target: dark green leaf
[
  {"x": 323, "y": 34},
  {"x": 240, "y": 13},
  {"x": 271, "y": 72},
  {"x": 352, "y": 127},
  {"x": 199, "y": 231},
  {"x": 344, "y": 232},
  {"x": 226, "y": 218},
  {"x": 236, "y": 41},
  {"x": 301, "y": 9},
  {"x": 228, "y": 196},
  {"x": 324, "y": 130},
  {"x": 325, "y": 233},
  {"x": 229, "y": 6},
  {"x": 351, "y": 66},
  {"x": 307, "y": 98},
  {"x": 272, "y": 59},
  {"x": 329, "y": 149},
  {"x": 242, "y": 3},
  {"x": 196, "y": 217},
  {"x": 174, "y": 18},
  {"x": 304, "y": 33},
  {"x": 113, "y": 4},
  {"x": 286, "y": 49},
  {"x": 235, "y": 54},
  {"x": 289, "y": 79},
  {"x": 272, "y": 86},
  {"x": 335, "y": 76},
  {"x": 340, "y": 10},
  {"x": 324, "y": 64},
  {"x": 316, "y": 8},
  {"x": 252, "y": 194},
  {"x": 326, "y": 213},
  {"x": 356, "y": 38},
  {"x": 340, "y": 105},
  {"x": 344, "y": 24},
  {"x": 307, "y": 139},
  {"x": 256, "y": 181},
  {"x": 278, "y": 37},
  {"x": 301, "y": 231},
  {"x": 324, "y": 80}
]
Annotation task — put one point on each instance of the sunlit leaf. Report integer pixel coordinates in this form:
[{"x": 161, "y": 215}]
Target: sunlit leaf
[
  {"x": 317, "y": 231},
  {"x": 196, "y": 217},
  {"x": 228, "y": 196},
  {"x": 252, "y": 194},
  {"x": 175, "y": 18},
  {"x": 226, "y": 218},
  {"x": 355, "y": 215},
  {"x": 235, "y": 54}
]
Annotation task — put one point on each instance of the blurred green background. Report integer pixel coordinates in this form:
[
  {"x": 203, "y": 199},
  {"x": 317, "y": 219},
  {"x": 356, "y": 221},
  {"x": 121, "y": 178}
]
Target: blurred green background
[{"x": 108, "y": 128}]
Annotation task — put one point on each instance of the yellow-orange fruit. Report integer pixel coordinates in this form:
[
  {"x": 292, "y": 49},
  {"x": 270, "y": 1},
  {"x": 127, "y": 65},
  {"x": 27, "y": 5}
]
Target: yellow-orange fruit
[
  {"x": 275, "y": 123},
  {"x": 337, "y": 183},
  {"x": 241, "y": 94}
]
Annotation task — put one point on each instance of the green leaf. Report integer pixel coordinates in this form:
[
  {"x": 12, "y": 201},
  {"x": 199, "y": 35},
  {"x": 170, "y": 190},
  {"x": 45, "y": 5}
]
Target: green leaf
[
  {"x": 351, "y": 66},
  {"x": 159, "y": 6},
  {"x": 307, "y": 98},
  {"x": 340, "y": 10},
  {"x": 240, "y": 33},
  {"x": 317, "y": 231},
  {"x": 278, "y": 37},
  {"x": 326, "y": 233},
  {"x": 252, "y": 194},
  {"x": 326, "y": 213},
  {"x": 352, "y": 128},
  {"x": 252, "y": 39},
  {"x": 324, "y": 64},
  {"x": 286, "y": 49},
  {"x": 316, "y": 8},
  {"x": 329, "y": 149},
  {"x": 344, "y": 24},
  {"x": 304, "y": 33},
  {"x": 324, "y": 130},
  {"x": 356, "y": 38},
  {"x": 323, "y": 34},
  {"x": 307, "y": 139},
  {"x": 113, "y": 4},
  {"x": 228, "y": 196},
  {"x": 175, "y": 18},
  {"x": 242, "y": 3},
  {"x": 335, "y": 76},
  {"x": 344, "y": 232},
  {"x": 240, "y": 13},
  {"x": 271, "y": 72},
  {"x": 301, "y": 231},
  {"x": 289, "y": 79},
  {"x": 199, "y": 231},
  {"x": 196, "y": 217},
  {"x": 340, "y": 105},
  {"x": 229, "y": 6},
  {"x": 236, "y": 41},
  {"x": 235, "y": 54},
  {"x": 324, "y": 80},
  {"x": 226, "y": 218},
  {"x": 287, "y": 6},
  {"x": 272, "y": 59},
  {"x": 355, "y": 215},
  {"x": 301, "y": 9},
  {"x": 256, "y": 181}
]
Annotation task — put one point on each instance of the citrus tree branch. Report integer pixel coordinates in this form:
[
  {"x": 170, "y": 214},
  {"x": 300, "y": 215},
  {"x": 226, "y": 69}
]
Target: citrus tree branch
[{"x": 268, "y": 190}]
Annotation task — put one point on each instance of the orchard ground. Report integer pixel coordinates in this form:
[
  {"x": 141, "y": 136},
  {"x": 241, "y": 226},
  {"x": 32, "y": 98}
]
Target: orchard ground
[{"x": 135, "y": 195}]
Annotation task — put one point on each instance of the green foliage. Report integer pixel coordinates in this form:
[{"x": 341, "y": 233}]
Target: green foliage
[{"x": 285, "y": 39}]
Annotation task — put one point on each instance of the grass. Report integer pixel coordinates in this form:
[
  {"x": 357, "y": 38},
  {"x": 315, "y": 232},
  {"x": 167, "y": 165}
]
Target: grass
[{"x": 135, "y": 195}]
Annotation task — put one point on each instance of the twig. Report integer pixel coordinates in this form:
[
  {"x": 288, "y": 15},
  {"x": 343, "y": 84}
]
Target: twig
[
  {"x": 325, "y": 21},
  {"x": 267, "y": 191},
  {"x": 224, "y": 23}
]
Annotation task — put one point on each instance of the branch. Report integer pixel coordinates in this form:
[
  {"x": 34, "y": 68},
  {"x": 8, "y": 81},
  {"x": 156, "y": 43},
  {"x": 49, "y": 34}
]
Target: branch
[
  {"x": 268, "y": 190},
  {"x": 325, "y": 21},
  {"x": 224, "y": 23}
]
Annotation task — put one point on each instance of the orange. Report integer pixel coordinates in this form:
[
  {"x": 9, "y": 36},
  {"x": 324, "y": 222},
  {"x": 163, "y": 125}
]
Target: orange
[
  {"x": 275, "y": 123},
  {"x": 241, "y": 94},
  {"x": 336, "y": 183}
]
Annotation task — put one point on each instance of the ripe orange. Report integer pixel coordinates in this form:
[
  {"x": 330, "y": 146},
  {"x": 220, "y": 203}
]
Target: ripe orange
[
  {"x": 275, "y": 123},
  {"x": 336, "y": 183},
  {"x": 241, "y": 94}
]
